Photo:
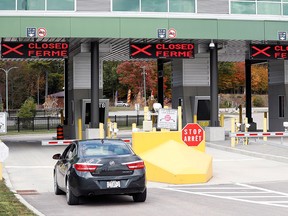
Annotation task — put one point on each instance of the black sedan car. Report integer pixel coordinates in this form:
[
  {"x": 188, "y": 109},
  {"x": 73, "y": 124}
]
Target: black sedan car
[{"x": 97, "y": 167}]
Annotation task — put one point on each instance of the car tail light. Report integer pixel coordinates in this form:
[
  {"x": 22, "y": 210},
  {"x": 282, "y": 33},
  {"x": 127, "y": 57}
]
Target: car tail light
[
  {"x": 135, "y": 165},
  {"x": 84, "y": 167}
]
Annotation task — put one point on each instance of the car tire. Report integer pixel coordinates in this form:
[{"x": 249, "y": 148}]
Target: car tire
[
  {"x": 140, "y": 197},
  {"x": 57, "y": 190},
  {"x": 71, "y": 199}
]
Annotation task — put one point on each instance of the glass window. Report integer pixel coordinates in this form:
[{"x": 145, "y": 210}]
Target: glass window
[
  {"x": 285, "y": 9},
  {"x": 182, "y": 6},
  {"x": 31, "y": 4},
  {"x": 243, "y": 8},
  {"x": 126, "y": 5},
  {"x": 154, "y": 6},
  {"x": 63, "y": 5},
  {"x": 7, "y": 5},
  {"x": 269, "y": 8}
]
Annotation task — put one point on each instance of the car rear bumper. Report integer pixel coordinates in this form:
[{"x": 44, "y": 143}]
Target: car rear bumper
[{"x": 98, "y": 185}]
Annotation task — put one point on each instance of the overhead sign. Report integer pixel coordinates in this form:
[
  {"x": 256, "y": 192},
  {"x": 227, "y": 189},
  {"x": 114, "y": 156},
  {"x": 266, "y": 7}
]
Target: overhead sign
[
  {"x": 282, "y": 35},
  {"x": 192, "y": 134},
  {"x": 266, "y": 51},
  {"x": 42, "y": 32},
  {"x": 34, "y": 50},
  {"x": 172, "y": 33},
  {"x": 167, "y": 119},
  {"x": 161, "y": 33},
  {"x": 3, "y": 122},
  {"x": 31, "y": 32},
  {"x": 161, "y": 50}
]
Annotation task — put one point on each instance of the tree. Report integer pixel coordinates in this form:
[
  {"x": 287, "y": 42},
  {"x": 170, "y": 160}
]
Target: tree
[
  {"x": 28, "y": 109},
  {"x": 259, "y": 80},
  {"x": 130, "y": 75},
  {"x": 110, "y": 78}
]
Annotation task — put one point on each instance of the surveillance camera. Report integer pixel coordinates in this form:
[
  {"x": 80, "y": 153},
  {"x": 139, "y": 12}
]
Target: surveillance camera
[
  {"x": 247, "y": 125},
  {"x": 285, "y": 124},
  {"x": 211, "y": 45}
]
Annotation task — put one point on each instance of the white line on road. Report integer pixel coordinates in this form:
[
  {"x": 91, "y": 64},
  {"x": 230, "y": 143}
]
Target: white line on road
[{"x": 29, "y": 167}]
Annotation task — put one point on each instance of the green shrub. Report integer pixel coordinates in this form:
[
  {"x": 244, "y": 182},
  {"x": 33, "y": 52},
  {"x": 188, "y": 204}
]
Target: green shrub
[
  {"x": 258, "y": 101},
  {"x": 27, "y": 112}
]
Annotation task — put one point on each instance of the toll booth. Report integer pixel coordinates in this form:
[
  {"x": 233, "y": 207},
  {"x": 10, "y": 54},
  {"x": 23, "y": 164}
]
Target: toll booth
[
  {"x": 86, "y": 113},
  {"x": 200, "y": 106}
]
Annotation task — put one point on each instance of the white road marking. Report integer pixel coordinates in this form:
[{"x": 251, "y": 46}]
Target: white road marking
[
  {"x": 29, "y": 167},
  {"x": 202, "y": 191}
]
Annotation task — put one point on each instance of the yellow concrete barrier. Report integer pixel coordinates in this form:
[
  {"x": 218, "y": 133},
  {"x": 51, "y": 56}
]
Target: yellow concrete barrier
[{"x": 168, "y": 159}]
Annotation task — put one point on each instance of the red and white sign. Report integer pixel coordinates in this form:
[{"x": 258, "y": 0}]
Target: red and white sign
[
  {"x": 172, "y": 33},
  {"x": 42, "y": 32},
  {"x": 192, "y": 134}
]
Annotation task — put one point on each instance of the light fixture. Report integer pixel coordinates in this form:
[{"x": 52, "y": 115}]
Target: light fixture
[{"x": 211, "y": 45}]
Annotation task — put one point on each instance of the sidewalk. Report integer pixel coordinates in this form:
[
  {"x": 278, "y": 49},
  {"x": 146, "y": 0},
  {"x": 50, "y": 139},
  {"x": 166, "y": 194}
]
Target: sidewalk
[{"x": 272, "y": 149}]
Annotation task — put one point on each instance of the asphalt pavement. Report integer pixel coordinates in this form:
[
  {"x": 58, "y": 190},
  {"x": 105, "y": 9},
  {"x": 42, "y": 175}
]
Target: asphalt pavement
[{"x": 274, "y": 149}]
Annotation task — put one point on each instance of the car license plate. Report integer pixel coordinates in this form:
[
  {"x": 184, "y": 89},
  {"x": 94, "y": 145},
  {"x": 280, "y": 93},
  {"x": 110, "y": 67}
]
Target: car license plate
[{"x": 113, "y": 184}]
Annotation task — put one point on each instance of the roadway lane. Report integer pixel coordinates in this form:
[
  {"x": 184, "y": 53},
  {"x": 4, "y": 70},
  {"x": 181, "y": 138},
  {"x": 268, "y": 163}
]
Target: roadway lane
[{"x": 30, "y": 168}]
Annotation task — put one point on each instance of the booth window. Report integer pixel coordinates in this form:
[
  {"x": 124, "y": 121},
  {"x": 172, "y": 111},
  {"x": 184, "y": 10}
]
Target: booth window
[
  {"x": 31, "y": 5},
  {"x": 281, "y": 106}
]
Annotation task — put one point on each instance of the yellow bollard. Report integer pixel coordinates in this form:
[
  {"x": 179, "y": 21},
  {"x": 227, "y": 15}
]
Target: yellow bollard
[
  {"x": 1, "y": 178},
  {"x": 179, "y": 118},
  {"x": 101, "y": 130},
  {"x": 133, "y": 126},
  {"x": 108, "y": 128},
  {"x": 195, "y": 119},
  {"x": 232, "y": 131},
  {"x": 146, "y": 110},
  {"x": 222, "y": 120},
  {"x": 265, "y": 126},
  {"x": 80, "y": 137},
  {"x": 115, "y": 130},
  {"x": 246, "y": 130},
  {"x": 61, "y": 117}
]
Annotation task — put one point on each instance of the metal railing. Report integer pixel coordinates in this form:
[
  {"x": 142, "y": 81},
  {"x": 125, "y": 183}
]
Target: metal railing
[{"x": 51, "y": 123}]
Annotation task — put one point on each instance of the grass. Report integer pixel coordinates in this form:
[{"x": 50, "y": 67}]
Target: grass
[{"x": 10, "y": 205}]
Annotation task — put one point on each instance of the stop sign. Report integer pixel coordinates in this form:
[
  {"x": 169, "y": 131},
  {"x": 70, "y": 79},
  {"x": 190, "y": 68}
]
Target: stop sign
[
  {"x": 4, "y": 151},
  {"x": 192, "y": 134}
]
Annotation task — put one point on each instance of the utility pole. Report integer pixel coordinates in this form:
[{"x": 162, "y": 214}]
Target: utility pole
[
  {"x": 7, "y": 72},
  {"x": 144, "y": 83}
]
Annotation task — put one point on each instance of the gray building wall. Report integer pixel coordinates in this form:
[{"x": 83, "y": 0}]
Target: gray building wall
[
  {"x": 278, "y": 86},
  {"x": 190, "y": 78}
]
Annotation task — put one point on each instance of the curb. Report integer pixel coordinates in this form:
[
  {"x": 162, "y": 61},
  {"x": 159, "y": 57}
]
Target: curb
[
  {"x": 249, "y": 153},
  {"x": 19, "y": 197}
]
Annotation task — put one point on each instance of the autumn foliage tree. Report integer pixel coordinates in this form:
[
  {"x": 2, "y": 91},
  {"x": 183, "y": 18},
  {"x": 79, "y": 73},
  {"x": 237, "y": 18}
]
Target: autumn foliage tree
[
  {"x": 130, "y": 75},
  {"x": 232, "y": 78}
]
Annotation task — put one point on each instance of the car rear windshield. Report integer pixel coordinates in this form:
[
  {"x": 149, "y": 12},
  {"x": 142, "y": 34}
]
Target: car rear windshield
[{"x": 92, "y": 148}]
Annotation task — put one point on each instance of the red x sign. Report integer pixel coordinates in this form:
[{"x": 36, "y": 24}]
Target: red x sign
[
  {"x": 261, "y": 51},
  {"x": 12, "y": 49},
  {"x": 142, "y": 50}
]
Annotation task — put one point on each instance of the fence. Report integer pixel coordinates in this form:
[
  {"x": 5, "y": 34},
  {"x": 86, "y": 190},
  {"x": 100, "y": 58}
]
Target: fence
[{"x": 51, "y": 123}]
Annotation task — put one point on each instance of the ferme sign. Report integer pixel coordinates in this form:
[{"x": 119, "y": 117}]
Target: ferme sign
[
  {"x": 34, "y": 49},
  {"x": 266, "y": 51},
  {"x": 161, "y": 50}
]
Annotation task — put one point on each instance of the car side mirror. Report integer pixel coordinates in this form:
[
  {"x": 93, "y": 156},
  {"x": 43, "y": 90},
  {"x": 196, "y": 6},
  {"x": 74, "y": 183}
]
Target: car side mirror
[{"x": 56, "y": 156}]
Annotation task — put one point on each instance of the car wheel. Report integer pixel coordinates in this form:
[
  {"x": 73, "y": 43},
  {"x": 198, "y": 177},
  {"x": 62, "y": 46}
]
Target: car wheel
[
  {"x": 57, "y": 190},
  {"x": 140, "y": 197},
  {"x": 71, "y": 199}
]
